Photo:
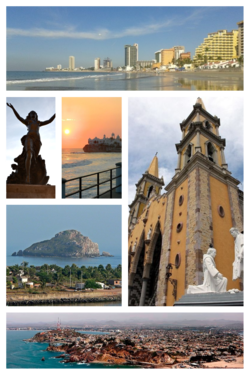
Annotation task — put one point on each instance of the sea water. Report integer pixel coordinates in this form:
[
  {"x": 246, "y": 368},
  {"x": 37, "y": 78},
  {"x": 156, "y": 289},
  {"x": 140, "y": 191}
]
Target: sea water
[
  {"x": 62, "y": 262},
  {"x": 77, "y": 163},
  {"x": 22, "y": 354}
]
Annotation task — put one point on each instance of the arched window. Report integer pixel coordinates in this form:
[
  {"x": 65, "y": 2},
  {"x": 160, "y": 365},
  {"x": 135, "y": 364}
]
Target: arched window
[
  {"x": 188, "y": 153},
  {"x": 149, "y": 191},
  {"x": 211, "y": 152},
  {"x": 208, "y": 125}
]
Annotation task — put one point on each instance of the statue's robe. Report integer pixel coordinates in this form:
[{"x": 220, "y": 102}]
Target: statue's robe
[{"x": 211, "y": 283}]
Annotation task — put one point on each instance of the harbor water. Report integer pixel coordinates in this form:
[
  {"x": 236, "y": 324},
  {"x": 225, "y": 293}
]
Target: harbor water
[
  {"x": 28, "y": 355},
  {"x": 77, "y": 163}
]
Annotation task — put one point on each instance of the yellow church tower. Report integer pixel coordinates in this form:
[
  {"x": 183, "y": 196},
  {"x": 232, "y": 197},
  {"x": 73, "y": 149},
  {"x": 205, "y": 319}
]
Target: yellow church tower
[
  {"x": 148, "y": 185},
  {"x": 172, "y": 232}
]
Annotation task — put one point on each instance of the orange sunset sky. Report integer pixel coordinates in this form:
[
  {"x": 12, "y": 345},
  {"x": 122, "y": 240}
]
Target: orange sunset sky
[{"x": 84, "y": 118}]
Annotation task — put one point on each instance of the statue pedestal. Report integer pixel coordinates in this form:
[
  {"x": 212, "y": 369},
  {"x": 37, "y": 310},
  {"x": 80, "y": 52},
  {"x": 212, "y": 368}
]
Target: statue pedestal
[
  {"x": 30, "y": 191},
  {"x": 211, "y": 299}
]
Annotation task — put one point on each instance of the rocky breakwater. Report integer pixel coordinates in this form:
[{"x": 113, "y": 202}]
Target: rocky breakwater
[
  {"x": 31, "y": 302},
  {"x": 69, "y": 243}
]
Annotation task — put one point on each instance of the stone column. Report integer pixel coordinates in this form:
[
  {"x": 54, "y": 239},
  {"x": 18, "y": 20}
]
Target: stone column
[
  {"x": 198, "y": 147},
  {"x": 217, "y": 129},
  {"x": 198, "y": 117},
  {"x": 143, "y": 292},
  {"x": 177, "y": 170},
  {"x": 223, "y": 160}
]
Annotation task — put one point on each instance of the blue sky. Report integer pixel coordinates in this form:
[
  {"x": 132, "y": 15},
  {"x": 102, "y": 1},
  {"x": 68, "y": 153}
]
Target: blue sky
[
  {"x": 15, "y": 130},
  {"x": 156, "y": 123},
  {"x": 29, "y": 224},
  {"x": 39, "y": 37}
]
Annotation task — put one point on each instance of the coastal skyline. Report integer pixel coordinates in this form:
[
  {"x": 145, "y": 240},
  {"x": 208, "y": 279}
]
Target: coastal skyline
[
  {"x": 91, "y": 221},
  {"x": 146, "y": 317},
  {"x": 166, "y": 114},
  {"x": 84, "y": 118},
  {"x": 39, "y": 37},
  {"x": 15, "y": 130}
]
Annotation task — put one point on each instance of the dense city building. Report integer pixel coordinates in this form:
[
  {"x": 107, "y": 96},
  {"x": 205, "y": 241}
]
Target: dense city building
[
  {"x": 97, "y": 63},
  {"x": 71, "y": 62},
  {"x": 177, "y": 51},
  {"x": 241, "y": 38},
  {"x": 144, "y": 64},
  {"x": 220, "y": 45},
  {"x": 107, "y": 63},
  {"x": 185, "y": 55},
  {"x": 131, "y": 55}
]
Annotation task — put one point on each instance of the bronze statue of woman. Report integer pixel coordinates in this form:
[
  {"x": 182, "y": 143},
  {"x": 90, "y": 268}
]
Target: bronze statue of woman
[{"x": 30, "y": 159}]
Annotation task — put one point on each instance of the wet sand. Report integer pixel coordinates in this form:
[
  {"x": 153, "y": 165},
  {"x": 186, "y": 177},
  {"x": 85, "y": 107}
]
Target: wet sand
[{"x": 205, "y": 80}]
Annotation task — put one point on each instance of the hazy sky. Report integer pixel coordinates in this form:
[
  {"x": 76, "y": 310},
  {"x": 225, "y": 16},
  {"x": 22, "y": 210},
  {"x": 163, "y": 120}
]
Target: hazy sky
[
  {"x": 85, "y": 118},
  {"x": 15, "y": 318},
  {"x": 39, "y": 37},
  {"x": 29, "y": 224},
  {"x": 156, "y": 123},
  {"x": 15, "y": 130}
]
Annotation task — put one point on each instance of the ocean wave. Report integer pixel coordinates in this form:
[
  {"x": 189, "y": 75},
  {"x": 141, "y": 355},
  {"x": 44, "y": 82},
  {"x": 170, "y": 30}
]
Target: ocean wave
[
  {"x": 77, "y": 164},
  {"x": 58, "y": 79}
]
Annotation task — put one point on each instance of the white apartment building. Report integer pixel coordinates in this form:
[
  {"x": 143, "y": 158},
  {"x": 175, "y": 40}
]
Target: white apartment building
[{"x": 71, "y": 62}]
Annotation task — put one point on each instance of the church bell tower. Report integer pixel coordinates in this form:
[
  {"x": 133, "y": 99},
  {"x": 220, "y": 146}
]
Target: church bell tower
[
  {"x": 149, "y": 184},
  {"x": 203, "y": 204}
]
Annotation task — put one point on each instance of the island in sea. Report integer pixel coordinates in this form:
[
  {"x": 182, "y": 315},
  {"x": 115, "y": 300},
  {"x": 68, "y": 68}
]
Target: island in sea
[
  {"x": 68, "y": 243},
  {"x": 112, "y": 144}
]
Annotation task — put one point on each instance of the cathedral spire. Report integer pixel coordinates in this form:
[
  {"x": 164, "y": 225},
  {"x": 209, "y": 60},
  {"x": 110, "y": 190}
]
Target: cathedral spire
[
  {"x": 200, "y": 101},
  {"x": 153, "y": 168}
]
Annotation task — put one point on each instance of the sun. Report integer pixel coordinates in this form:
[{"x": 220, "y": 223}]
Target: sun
[{"x": 66, "y": 131}]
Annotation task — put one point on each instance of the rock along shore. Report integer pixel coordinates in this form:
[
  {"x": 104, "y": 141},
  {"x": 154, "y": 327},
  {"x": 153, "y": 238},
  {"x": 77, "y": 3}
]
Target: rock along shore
[{"x": 63, "y": 301}]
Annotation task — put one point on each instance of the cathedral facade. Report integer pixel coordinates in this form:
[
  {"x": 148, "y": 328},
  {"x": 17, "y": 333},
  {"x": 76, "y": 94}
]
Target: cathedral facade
[{"x": 169, "y": 233}]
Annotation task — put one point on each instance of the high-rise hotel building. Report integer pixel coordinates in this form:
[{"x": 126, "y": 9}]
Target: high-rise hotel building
[
  {"x": 131, "y": 54},
  {"x": 97, "y": 63},
  {"x": 241, "y": 38},
  {"x": 220, "y": 45},
  {"x": 71, "y": 63}
]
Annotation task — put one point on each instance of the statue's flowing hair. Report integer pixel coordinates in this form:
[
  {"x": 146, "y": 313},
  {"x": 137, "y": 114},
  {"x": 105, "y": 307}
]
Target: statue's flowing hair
[{"x": 28, "y": 117}]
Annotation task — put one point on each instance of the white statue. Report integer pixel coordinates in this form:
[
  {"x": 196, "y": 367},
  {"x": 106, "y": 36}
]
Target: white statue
[
  {"x": 134, "y": 247},
  {"x": 213, "y": 279},
  {"x": 149, "y": 233},
  {"x": 238, "y": 252}
]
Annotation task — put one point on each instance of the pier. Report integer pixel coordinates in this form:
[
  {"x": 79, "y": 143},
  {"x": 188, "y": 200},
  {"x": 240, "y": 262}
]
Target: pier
[{"x": 110, "y": 178}]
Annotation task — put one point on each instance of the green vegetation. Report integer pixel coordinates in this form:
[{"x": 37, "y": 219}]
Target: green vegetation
[{"x": 67, "y": 276}]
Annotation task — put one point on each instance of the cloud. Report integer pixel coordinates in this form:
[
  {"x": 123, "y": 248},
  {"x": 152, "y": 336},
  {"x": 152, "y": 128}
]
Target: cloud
[
  {"x": 103, "y": 34},
  {"x": 154, "y": 127}
]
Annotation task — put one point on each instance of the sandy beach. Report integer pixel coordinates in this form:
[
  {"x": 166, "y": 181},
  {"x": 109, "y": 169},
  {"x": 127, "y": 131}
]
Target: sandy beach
[{"x": 238, "y": 363}]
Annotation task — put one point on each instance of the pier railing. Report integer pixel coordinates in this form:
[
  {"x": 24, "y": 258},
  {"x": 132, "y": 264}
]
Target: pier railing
[{"x": 114, "y": 191}]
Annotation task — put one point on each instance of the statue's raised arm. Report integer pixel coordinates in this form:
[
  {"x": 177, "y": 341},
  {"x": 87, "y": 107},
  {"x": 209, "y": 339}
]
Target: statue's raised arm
[
  {"x": 17, "y": 114},
  {"x": 42, "y": 123}
]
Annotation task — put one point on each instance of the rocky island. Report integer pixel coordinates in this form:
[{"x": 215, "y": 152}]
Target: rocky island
[{"x": 68, "y": 243}]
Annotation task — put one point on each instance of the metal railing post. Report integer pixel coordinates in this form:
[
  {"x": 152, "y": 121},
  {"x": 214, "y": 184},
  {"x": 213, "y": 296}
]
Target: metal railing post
[
  {"x": 110, "y": 183},
  {"x": 118, "y": 179},
  {"x": 98, "y": 192},
  {"x": 80, "y": 187},
  {"x": 63, "y": 187}
]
